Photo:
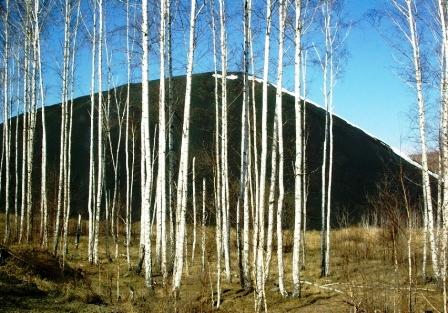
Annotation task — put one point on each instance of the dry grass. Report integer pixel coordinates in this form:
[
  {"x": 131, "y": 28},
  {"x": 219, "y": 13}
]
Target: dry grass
[{"x": 366, "y": 273}]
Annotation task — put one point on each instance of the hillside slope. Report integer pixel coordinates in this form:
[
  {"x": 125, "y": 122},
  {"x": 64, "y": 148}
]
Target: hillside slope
[{"x": 361, "y": 163}]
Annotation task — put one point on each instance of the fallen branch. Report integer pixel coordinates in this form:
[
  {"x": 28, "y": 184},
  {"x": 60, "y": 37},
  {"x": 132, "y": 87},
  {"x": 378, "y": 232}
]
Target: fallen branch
[{"x": 325, "y": 287}]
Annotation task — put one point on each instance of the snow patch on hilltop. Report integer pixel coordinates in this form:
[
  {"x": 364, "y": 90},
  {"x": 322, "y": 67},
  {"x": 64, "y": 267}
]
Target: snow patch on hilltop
[{"x": 230, "y": 77}]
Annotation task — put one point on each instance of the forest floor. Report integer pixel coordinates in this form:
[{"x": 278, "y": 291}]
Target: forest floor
[{"x": 369, "y": 273}]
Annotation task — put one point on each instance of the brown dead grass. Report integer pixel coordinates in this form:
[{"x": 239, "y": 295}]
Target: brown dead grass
[{"x": 362, "y": 271}]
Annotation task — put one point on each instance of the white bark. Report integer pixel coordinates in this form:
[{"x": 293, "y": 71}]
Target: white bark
[
  {"x": 279, "y": 117},
  {"x": 91, "y": 199},
  {"x": 203, "y": 238},
  {"x": 146, "y": 170},
  {"x": 224, "y": 144},
  {"x": 304, "y": 168},
  {"x": 171, "y": 186},
  {"x": 24, "y": 140},
  {"x": 126, "y": 149},
  {"x": 443, "y": 154},
  {"x": 243, "y": 243},
  {"x": 408, "y": 11},
  {"x": 161, "y": 178},
  {"x": 182, "y": 183},
  {"x": 43, "y": 190},
  {"x": 272, "y": 186},
  {"x": 422, "y": 130},
  {"x": 194, "y": 212},
  {"x": 260, "y": 279},
  {"x": 69, "y": 131},
  {"x": 217, "y": 174},
  {"x": 218, "y": 255},
  {"x": 31, "y": 128},
  {"x": 6, "y": 131}
]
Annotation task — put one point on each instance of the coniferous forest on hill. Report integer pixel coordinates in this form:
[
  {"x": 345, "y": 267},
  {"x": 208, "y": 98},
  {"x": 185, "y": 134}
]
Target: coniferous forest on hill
[{"x": 165, "y": 156}]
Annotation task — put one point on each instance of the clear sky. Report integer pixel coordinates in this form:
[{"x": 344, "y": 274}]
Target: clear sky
[{"x": 369, "y": 94}]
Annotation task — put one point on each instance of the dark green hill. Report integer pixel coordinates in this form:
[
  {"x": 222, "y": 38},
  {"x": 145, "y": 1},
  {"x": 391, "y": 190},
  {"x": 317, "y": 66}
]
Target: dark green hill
[{"x": 361, "y": 162}]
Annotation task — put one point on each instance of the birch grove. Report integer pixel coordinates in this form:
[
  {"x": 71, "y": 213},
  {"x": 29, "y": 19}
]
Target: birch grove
[{"x": 199, "y": 90}]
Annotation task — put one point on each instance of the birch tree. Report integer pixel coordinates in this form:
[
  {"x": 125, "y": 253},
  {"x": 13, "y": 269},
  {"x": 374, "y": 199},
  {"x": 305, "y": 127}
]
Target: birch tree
[
  {"x": 260, "y": 279},
  {"x": 43, "y": 190},
  {"x": 194, "y": 209},
  {"x": 70, "y": 93},
  {"x": 407, "y": 9},
  {"x": 204, "y": 217},
  {"x": 443, "y": 18},
  {"x": 217, "y": 171},
  {"x": 279, "y": 118},
  {"x": 32, "y": 122},
  {"x": 161, "y": 178},
  {"x": 91, "y": 199},
  {"x": 62, "y": 192},
  {"x": 299, "y": 152},
  {"x": 146, "y": 169},
  {"x": 224, "y": 142},
  {"x": 181, "y": 202},
  {"x": 6, "y": 131},
  {"x": 335, "y": 31},
  {"x": 243, "y": 200}
]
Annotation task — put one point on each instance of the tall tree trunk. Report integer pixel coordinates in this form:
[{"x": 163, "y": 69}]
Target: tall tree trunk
[
  {"x": 194, "y": 211},
  {"x": 161, "y": 178},
  {"x": 100, "y": 148},
  {"x": 171, "y": 180},
  {"x": 181, "y": 202},
  {"x": 264, "y": 149},
  {"x": 203, "y": 226},
  {"x": 43, "y": 190},
  {"x": 224, "y": 144},
  {"x": 91, "y": 198},
  {"x": 146, "y": 170},
  {"x": 128, "y": 181},
  {"x": 279, "y": 117},
  {"x": 6, "y": 131}
]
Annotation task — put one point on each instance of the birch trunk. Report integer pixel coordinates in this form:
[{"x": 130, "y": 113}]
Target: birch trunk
[
  {"x": 218, "y": 254},
  {"x": 24, "y": 141},
  {"x": 243, "y": 196},
  {"x": 146, "y": 151},
  {"x": 203, "y": 226},
  {"x": 304, "y": 168},
  {"x": 171, "y": 186},
  {"x": 128, "y": 182},
  {"x": 262, "y": 185},
  {"x": 6, "y": 131},
  {"x": 224, "y": 144},
  {"x": 272, "y": 187},
  {"x": 91, "y": 199},
  {"x": 161, "y": 186},
  {"x": 443, "y": 16},
  {"x": 100, "y": 148},
  {"x": 43, "y": 190},
  {"x": 62, "y": 191},
  {"x": 69, "y": 131},
  {"x": 194, "y": 212},
  {"x": 32, "y": 126},
  {"x": 414, "y": 42},
  {"x": 279, "y": 117},
  {"x": 181, "y": 202}
]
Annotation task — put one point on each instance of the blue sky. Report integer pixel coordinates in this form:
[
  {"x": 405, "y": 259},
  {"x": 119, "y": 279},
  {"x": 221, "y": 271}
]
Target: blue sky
[{"x": 369, "y": 94}]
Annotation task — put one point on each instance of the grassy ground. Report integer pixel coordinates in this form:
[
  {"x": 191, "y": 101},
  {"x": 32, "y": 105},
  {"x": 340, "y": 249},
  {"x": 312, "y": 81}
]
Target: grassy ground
[{"x": 369, "y": 273}]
